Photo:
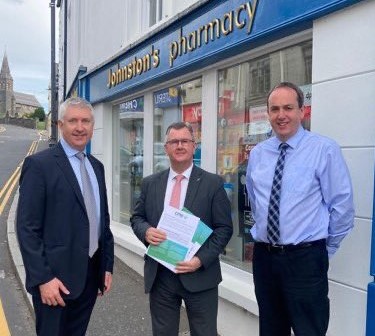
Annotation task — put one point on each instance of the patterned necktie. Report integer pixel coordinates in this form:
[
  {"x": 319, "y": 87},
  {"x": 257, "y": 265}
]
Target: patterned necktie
[
  {"x": 89, "y": 199},
  {"x": 176, "y": 192},
  {"x": 273, "y": 229}
]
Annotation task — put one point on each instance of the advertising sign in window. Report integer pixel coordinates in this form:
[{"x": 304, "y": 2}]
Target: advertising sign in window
[{"x": 243, "y": 123}]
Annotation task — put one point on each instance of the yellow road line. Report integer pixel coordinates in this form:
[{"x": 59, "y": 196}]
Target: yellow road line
[
  {"x": 8, "y": 188},
  {"x": 9, "y": 181},
  {"x": 9, "y": 192},
  {"x": 4, "y": 329},
  {"x": 12, "y": 181},
  {"x": 32, "y": 148}
]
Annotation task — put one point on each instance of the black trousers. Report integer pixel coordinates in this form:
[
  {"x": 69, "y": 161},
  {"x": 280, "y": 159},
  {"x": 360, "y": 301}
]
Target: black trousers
[
  {"x": 73, "y": 319},
  {"x": 165, "y": 302},
  {"x": 291, "y": 287}
]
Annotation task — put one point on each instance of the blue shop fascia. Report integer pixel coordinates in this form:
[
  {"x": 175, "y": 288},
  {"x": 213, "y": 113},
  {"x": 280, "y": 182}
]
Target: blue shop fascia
[{"x": 205, "y": 35}]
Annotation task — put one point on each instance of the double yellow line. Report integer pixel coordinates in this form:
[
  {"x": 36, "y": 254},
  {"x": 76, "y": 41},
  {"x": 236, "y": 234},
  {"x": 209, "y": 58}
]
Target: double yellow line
[
  {"x": 8, "y": 188},
  {"x": 6, "y": 191}
]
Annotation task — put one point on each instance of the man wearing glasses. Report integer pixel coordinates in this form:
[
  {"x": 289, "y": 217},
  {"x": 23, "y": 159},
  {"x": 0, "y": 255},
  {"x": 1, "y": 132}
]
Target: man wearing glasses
[{"x": 195, "y": 281}]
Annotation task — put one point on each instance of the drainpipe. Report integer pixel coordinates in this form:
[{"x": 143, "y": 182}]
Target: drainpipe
[{"x": 65, "y": 44}]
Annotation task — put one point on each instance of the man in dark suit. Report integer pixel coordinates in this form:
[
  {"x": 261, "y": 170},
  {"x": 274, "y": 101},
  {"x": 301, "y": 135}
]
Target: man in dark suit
[
  {"x": 63, "y": 227},
  {"x": 195, "y": 281}
]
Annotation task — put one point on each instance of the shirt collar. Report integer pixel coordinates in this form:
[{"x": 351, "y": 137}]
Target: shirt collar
[
  {"x": 69, "y": 150},
  {"x": 186, "y": 173},
  {"x": 294, "y": 140}
]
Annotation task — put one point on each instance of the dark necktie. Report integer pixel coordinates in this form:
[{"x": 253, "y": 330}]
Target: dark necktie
[
  {"x": 176, "y": 192},
  {"x": 89, "y": 199},
  {"x": 273, "y": 228}
]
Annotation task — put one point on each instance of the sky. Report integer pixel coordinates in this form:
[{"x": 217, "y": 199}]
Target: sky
[{"x": 25, "y": 34}]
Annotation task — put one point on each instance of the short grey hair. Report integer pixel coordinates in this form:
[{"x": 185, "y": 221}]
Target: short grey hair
[
  {"x": 180, "y": 125},
  {"x": 76, "y": 102}
]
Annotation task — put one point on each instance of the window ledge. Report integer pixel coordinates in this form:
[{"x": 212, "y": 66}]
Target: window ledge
[
  {"x": 124, "y": 236},
  {"x": 237, "y": 286}
]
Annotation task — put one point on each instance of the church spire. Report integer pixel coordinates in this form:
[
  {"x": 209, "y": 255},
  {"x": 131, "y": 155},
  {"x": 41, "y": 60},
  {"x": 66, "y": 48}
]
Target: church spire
[{"x": 5, "y": 72}]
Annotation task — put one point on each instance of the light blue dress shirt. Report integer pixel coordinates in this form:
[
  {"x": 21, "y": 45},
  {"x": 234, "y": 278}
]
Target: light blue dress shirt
[
  {"x": 75, "y": 163},
  {"x": 316, "y": 193}
]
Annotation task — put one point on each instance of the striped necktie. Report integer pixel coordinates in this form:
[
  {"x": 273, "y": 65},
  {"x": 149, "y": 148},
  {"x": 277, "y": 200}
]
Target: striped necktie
[{"x": 273, "y": 228}]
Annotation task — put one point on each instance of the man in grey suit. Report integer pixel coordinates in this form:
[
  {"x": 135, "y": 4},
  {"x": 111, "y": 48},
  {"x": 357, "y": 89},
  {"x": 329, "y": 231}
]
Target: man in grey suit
[{"x": 195, "y": 281}]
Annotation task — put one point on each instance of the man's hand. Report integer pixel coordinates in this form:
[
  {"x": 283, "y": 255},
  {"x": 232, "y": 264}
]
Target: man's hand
[
  {"x": 50, "y": 292},
  {"x": 155, "y": 236},
  {"x": 188, "y": 266},
  {"x": 107, "y": 283}
]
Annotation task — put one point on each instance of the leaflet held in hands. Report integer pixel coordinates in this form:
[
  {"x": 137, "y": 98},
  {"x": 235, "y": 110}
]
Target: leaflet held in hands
[{"x": 186, "y": 233}]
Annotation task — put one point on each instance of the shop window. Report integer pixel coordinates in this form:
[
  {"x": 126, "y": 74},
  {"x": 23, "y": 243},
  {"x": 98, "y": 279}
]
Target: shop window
[
  {"x": 243, "y": 122},
  {"x": 128, "y": 157},
  {"x": 177, "y": 103},
  {"x": 260, "y": 77}
]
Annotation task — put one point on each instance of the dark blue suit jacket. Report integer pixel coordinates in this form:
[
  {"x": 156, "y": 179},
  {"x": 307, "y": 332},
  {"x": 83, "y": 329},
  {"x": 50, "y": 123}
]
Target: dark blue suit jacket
[
  {"x": 206, "y": 199},
  {"x": 52, "y": 224}
]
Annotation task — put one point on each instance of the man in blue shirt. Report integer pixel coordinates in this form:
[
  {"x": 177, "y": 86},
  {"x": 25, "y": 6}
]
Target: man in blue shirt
[{"x": 301, "y": 223}]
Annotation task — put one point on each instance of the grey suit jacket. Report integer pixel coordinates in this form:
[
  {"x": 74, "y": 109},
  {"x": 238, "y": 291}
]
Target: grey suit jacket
[{"x": 206, "y": 199}]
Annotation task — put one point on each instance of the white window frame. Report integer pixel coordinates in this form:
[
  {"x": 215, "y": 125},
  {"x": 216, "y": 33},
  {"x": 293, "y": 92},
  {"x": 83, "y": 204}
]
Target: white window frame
[{"x": 157, "y": 15}]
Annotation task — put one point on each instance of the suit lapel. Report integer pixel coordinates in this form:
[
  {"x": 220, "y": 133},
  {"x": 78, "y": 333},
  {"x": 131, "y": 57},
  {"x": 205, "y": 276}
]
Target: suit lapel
[
  {"x": 101, "y": 184},
  {"x": 100, "y": 180},
  {"x": 159, "y": 192},
  {"x": 97, "y": 173},
  {"x": 193, "y": 186},
  {"x": 64, "y": 164}
]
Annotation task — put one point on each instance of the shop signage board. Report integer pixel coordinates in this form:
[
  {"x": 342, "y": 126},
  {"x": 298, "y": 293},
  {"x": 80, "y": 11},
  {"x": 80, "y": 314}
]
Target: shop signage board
[
  {"x": 166, "y": 98},
  {"x": 213, "y": 32},
  {"x": 133, "y": 105}
]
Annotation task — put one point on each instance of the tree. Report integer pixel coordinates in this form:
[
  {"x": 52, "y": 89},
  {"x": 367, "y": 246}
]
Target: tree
[{"x": 39, "y": 113}]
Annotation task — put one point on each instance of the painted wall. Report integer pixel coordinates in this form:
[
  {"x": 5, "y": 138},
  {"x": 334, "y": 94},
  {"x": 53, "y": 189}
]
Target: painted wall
[
  {"x": 343, "y": 108},
  {"x": 98, "y": 30}
]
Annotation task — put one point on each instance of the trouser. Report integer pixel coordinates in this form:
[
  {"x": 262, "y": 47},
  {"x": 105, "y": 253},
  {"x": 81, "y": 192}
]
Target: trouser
[
  {"x": 165, "y": 302},
  {"x": 73, "y": 319},
  {"x": 291, "y": 288}
]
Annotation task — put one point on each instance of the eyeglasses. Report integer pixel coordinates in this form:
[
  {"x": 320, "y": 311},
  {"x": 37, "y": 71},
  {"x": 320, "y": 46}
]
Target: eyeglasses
[{"x": 176, "y": 142}]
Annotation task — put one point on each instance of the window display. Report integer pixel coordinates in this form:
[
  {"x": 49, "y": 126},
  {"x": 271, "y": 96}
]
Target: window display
[
  {"x": 178, "y": 103},
  {"x": 128, "y": 157},
  {"x": 243, "y": 122}
]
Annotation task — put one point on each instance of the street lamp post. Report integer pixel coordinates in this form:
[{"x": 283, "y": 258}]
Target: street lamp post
[{"x": 53, "y": 138}]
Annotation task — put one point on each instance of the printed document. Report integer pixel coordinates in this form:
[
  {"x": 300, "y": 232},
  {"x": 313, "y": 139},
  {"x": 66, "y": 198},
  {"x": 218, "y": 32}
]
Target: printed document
[{"x": 186, "y": 233}]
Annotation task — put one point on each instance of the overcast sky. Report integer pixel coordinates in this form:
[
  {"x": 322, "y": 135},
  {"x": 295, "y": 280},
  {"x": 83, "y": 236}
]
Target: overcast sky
[{"x": 25, "y": 35}]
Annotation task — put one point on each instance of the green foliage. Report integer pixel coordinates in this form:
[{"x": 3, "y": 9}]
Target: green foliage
[
  {"x": 39, "y": 113},
  {"x": 41, "y": 125}
]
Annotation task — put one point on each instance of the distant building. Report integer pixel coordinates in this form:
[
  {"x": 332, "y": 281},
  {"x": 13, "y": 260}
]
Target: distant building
[
  {"x": 25, "y": 103},
  {"x": 13, "y": 104},
  {"x": 7, "y": 99}
]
